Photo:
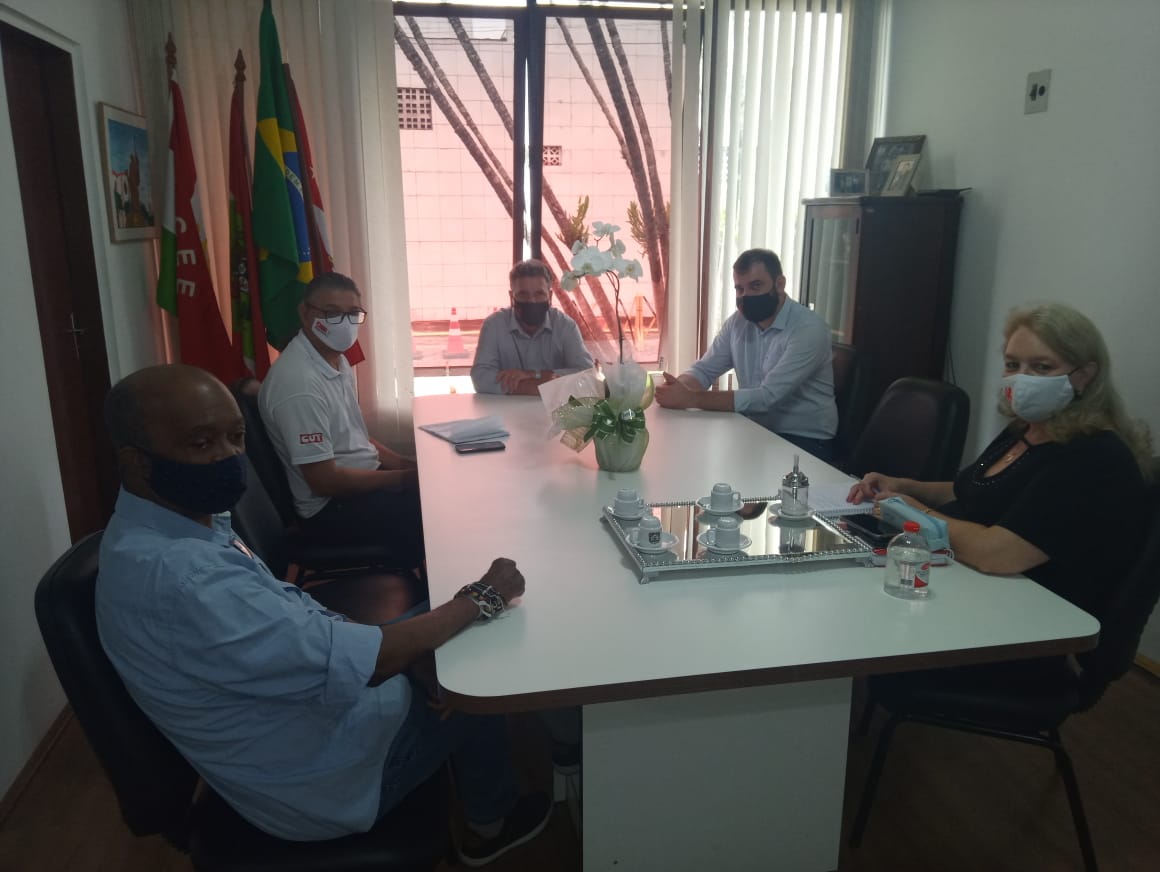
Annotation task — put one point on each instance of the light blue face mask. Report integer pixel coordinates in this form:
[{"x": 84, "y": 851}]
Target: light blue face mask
[{"x": 1035, "y": 398}]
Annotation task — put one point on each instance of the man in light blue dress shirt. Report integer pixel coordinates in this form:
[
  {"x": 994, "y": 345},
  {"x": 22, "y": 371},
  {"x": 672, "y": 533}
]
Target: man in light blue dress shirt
[
  {"x": 781, "y": 353},
  {"x": 306, "y": 723},
  {"x": 529, "y": 343}
]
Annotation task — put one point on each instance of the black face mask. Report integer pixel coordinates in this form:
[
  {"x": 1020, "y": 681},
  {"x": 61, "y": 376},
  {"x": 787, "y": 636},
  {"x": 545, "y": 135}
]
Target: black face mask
[
  {"x": 201, "y": 488},
  {"x": 758, "y": 308},
  {"x": 532, "y": 314}
]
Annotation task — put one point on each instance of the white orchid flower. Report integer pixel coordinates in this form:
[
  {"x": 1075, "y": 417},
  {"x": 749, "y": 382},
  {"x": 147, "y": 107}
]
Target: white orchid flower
[
  {"x": 591, "y": 261},
  {"x": 578, "y": 246},
  {"x": 617, "y": 248},
  {"x": 568, "y": 281},
  {"x": 633, "y": 270}
]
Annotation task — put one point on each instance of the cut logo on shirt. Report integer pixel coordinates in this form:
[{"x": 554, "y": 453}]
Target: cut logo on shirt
[{"x": 311, "y": 438}]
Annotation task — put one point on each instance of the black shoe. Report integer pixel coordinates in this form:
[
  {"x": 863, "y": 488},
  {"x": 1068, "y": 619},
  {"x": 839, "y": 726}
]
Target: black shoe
[{"x": 523, "y": 823}]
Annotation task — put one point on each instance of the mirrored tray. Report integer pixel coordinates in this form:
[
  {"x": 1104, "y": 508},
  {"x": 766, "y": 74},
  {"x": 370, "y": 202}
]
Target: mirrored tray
[{"x": 774, "y": 540}]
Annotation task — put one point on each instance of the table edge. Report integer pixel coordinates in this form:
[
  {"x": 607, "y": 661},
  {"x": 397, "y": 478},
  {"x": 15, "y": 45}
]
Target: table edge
[{"x": 549, "y": 699}]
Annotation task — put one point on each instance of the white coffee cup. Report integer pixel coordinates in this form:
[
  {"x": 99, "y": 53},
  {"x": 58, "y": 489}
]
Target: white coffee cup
[
  {"x": 723, "y": 498},
  {"x": 727, "y": 533},
  {"x": 648, "y": 531},
  {"x": 627, "y": 503}
]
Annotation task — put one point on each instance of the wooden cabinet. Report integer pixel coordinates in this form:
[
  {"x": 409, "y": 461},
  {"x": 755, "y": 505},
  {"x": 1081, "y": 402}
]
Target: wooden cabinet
[{"x": 880, "y": 271}]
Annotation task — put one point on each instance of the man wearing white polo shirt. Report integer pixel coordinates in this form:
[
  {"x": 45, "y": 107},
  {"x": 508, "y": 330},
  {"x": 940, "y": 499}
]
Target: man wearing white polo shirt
[{"x": 347, "y": 487}]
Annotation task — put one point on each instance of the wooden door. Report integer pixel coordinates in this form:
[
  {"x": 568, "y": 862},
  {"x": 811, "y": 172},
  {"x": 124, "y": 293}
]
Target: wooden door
[{"x": 42, "y": 110}]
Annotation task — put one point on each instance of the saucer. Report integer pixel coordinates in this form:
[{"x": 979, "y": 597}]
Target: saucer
[
  {"x": 708, "y": 536},
  {"x": 785, "y": 517},
  {"x": 632, "y": 516},
  {"x": 668, "y": 540},
  {"x": 704, "y": 506}
]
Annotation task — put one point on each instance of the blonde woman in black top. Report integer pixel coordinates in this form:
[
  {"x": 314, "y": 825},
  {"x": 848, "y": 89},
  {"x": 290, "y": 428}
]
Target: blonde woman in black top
[{"x": 1070, "y": 459}]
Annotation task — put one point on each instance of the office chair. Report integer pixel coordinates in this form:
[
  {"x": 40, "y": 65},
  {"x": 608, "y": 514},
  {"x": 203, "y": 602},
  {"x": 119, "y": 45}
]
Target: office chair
[
  {"x": 917, "y": 430},
  {"x": 1024, "y": 701},
  {"x": 850, "y": 396},
  {"x": 363, "y": 595},
  {"x": 156, "y": 787},
  {"x": 308, "y": 556}
]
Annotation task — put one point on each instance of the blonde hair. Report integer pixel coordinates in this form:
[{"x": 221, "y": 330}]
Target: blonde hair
[{"x": 1070, "y": 334}]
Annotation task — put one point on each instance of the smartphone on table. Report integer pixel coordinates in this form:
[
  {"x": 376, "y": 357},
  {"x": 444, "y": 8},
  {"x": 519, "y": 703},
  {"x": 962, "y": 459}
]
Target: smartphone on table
[
  {"x": 871, "y": 529},
  {"x": 476, "y": 447}
]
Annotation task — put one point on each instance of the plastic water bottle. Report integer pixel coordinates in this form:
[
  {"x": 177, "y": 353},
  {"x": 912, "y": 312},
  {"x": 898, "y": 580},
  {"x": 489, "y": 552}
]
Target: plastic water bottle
[{"x": 908, "y": 564}]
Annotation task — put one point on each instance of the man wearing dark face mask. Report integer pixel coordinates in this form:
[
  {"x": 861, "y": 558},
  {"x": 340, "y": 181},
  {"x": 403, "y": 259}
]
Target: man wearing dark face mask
[
  {"x": 780, "y": 351},
  {"x": 529, "y": 343},
  {"x": 348, "y": 488},
  {"x": 306, "y": 723}
]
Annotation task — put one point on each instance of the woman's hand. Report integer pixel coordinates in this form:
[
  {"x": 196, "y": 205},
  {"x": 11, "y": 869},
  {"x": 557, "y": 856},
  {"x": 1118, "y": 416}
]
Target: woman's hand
[{"x": 873, "y": 486}]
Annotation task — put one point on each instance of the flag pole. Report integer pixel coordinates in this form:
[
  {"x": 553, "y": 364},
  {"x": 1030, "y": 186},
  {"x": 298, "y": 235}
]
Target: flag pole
[{"x": 170, "y": 56}]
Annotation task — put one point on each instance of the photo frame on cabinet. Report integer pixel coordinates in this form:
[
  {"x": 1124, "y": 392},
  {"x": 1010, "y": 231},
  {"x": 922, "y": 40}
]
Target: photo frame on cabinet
[
  {"x": 129, "y": 191},
  {"x": 848, "y": 183},
  {"x": 883, "y": 153},
  {"x": 901, "y": 173}
]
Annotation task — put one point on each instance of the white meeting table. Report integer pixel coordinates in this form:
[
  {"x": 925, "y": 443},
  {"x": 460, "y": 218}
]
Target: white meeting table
[{"x": 716, "y": 703}]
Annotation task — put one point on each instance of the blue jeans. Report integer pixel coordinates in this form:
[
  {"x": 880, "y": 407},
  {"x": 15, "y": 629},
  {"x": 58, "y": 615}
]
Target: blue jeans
[
  {"x": 822, "y": 449},
  {"x": 477, "y": 746}
]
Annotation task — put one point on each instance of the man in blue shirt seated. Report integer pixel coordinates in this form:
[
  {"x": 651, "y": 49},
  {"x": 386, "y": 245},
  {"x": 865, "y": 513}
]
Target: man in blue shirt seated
[
  {"x": 523, "y": 346},
  {"x": 304, "y": 722},
  {"x": 781, "y": 353}
]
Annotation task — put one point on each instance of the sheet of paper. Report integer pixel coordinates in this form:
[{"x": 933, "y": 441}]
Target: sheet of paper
[
  {"x": 468, "y": 429},
  {"x": 830, "y": 499}
]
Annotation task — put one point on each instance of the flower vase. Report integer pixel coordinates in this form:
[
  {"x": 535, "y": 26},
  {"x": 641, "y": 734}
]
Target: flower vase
[{"x": 613, "y": 454}]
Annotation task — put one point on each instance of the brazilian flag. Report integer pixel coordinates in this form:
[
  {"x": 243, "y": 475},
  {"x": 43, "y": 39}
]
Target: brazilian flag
[{"x": 280, "y": 231}]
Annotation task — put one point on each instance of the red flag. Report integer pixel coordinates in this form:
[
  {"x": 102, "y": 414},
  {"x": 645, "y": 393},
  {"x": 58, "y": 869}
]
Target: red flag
[
  {"x": 312, "y": 195},
  {"x": 249, "y": 331},
  {"x": 184, "y": 286}
]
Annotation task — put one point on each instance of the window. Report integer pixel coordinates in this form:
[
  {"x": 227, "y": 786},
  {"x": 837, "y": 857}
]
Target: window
[
  {"x": 473, "y": 206},
  {"x": 414, "y": 109}
]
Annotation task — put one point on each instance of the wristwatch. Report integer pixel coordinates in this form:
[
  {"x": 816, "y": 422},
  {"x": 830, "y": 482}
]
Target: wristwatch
[{"x": 490, "y": 603}]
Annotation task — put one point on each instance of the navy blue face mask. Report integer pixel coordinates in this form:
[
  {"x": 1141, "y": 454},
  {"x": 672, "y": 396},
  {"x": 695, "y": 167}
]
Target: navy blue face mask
[
  {"x": 759, "y": 307},
  {"x": 200, "y": 488}
]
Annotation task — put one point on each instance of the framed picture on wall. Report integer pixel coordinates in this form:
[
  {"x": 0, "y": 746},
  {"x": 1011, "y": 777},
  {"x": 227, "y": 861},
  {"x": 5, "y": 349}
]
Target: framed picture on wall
[
  {"x": 129, "y": 191},
  {"x": 901, "y": 173},
  {"x": 847, "y": 183},
  {"x": 882, "y": 155}
]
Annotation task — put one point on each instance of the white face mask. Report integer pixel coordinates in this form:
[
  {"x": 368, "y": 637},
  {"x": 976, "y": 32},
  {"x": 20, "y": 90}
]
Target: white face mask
[
  {"x": 1035, "y": 398},
  {"x": 339, "y": 337}
]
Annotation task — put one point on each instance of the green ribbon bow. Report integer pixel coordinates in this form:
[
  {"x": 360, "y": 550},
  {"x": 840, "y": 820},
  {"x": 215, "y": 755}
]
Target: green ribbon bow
[{"x": 606, "y": 422}]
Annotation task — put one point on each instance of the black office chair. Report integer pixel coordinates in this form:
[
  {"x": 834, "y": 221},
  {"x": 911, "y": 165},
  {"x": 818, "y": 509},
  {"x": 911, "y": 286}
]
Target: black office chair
[
  {"x": 1025, "y": 701},
  {"x": 369, "y": 597},
  {"x": 310, "y": 557},
  {"x": 917, "y": 430},
  {"x": 156, "y": 787},
  {"x": 850, "y": 395}
]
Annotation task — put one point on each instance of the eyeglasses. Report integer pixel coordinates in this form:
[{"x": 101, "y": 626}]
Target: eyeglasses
[{"x": 357, "y": 316}]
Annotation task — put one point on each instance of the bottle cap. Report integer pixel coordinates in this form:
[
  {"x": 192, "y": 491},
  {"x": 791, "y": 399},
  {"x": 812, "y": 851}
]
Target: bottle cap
[{"x": 911, "y": 526}]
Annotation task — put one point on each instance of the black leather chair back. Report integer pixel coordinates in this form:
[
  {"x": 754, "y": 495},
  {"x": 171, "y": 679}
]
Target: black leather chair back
[
  {"x": 153, "y": 783},
  {"x": 917, "y": 430},
  {"x": 1127, "y": 613},
  {"x": 850, "y": 395},
  {"x": 257, "y": 523},
  {"x": 263, "y": 457}
]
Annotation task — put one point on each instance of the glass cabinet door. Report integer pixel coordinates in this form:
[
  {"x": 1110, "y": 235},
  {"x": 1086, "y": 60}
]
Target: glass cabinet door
[{"x": 830, "y": 265}]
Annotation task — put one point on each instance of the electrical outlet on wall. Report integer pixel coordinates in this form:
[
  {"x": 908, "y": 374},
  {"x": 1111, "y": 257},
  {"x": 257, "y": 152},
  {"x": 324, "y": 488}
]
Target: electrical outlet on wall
[{"x": 1037, "y": 91}]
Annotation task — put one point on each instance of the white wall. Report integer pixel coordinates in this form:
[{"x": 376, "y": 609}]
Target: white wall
[
  {"x": 1066, "y": 204},
  {"x": 33, "y": 526}
]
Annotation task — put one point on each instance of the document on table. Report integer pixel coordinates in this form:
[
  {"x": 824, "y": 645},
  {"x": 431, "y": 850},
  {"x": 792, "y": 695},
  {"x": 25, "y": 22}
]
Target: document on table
[
  {"x": 468, "y": 429},
  {"x": 830, "y": 499}
]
